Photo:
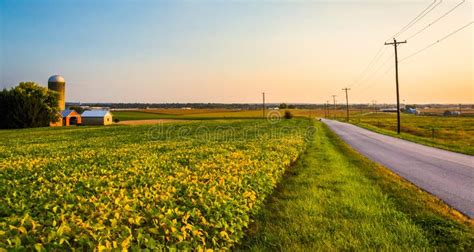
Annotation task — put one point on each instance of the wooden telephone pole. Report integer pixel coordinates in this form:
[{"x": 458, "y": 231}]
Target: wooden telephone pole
[
  {"x": 327, "y": 109},
  {"x": 395, "y": 45},
  {"x": 334, "y": 100},
  {"x": 263, "y": 105},
  {"x": 347, "y": 103},
  {"x": 374, "y": 105}
]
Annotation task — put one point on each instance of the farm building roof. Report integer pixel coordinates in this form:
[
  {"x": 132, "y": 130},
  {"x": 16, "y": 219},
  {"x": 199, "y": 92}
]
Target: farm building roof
[
  {"x": 95, "y": 113},
  {"x": 66, "y": 112}
]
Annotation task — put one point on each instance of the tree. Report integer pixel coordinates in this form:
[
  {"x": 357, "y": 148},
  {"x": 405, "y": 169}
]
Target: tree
[
  {"x": 283, "y": 106},
  {"x": 78, "y": 109},
  {"x": 28, "y": 105},
  {"x": 410, "y": 106}
]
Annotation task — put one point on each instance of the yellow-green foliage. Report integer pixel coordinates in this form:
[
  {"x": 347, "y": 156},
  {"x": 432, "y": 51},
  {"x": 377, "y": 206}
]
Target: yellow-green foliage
[{"x": 182, "y": 186}]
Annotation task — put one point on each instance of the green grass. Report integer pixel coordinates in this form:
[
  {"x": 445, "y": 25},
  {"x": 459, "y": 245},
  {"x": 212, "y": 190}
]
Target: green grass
[
  {"x": 333, "y": 199},
  {"x": 450, "y": 133}
]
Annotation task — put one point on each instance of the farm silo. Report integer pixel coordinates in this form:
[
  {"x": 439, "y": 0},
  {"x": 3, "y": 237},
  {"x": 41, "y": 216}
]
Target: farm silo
[{"x": 58, "y": 84}]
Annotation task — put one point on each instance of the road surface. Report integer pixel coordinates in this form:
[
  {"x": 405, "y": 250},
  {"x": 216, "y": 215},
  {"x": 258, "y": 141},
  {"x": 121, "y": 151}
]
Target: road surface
[{"x": 448, "y": 175}]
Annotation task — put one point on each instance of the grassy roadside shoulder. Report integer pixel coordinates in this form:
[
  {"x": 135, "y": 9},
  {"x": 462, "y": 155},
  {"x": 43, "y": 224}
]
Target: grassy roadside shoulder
[
  {"x": 469, "y": 150},
  {"x": 334, "y": 198}
]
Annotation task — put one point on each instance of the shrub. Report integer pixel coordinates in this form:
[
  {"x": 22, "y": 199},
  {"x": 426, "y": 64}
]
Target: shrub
[{"x": 288, "y": 115}]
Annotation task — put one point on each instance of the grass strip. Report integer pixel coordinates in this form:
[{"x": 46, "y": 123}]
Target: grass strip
[{"x": 334, "y": 198}]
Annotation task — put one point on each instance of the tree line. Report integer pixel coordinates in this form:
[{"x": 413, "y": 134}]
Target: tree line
[{"x": 28, "y": 105}]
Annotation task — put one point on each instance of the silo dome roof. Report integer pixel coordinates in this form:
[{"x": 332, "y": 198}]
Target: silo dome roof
[{"x": 56, "y": 78}]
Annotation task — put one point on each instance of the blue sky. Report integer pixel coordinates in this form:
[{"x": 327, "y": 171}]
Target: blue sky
[{"x": 224, "y": 51}]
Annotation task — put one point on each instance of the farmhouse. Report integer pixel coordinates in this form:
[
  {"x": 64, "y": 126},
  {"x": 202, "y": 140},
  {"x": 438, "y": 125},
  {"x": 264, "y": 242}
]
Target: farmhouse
[
  {"x": 96, "y": 117},
  {"x": 67, "y": 117}
]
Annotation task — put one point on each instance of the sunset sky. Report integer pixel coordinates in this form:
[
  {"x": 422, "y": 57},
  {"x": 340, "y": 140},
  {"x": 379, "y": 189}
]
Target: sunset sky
[{"x": 231, "y": 51}]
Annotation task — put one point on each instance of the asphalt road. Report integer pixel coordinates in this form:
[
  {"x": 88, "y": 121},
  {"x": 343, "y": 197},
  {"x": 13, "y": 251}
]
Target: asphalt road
[{"x": 448, "y": 175}]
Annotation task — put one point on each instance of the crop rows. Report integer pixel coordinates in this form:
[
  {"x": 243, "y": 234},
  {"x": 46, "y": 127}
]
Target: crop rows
[{"x": 188, "y": 186}]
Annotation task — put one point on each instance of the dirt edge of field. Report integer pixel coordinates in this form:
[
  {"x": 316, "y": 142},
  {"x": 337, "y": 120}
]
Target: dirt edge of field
[{"x": 148, "y": 122}]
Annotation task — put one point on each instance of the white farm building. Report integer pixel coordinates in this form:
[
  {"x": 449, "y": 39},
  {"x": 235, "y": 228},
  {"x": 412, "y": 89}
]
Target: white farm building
[{"x": 96, "y": 117}]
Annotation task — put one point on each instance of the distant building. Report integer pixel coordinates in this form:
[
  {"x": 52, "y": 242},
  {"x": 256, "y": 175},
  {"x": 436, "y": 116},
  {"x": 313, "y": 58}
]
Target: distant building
[
  {"x": 96, "y": 117},
  {"x": 412, "y": 111},
  {"x": 451, "y": 113},
  {"x": 70, "y": 117},
  {"x": 66, "y": 118},
  {"x": 389, "y": 110}
]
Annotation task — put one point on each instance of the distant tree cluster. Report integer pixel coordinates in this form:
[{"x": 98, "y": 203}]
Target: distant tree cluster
[
  {"x": 78, "y": 109},
  {"x": 242, "y": 106},
  {"x": 28, "y": 105}
]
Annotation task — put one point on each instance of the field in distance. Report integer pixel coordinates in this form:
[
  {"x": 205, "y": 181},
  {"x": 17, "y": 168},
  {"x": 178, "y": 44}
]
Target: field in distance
[
  {"x": 203, "y": 114},
  {"x": 445, "y": 132},
  {"x": 450, "y": 133}
]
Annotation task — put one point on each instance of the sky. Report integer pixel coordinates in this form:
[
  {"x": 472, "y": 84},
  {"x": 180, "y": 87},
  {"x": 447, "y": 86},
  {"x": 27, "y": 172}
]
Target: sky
[{"x": 232, "y": 51}]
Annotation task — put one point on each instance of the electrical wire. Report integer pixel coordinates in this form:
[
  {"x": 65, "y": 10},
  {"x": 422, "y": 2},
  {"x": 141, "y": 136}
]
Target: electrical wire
[
  {"x": 385, "y": 62},
  {"x": 420, "y": 16},
  {"x": 359, "y": 92},
  {"x": 436, "y": 20},
  {"x": 382, "y": 48},
  {"x": 437, "y": 41},
  {"x": 363, "y": 74}
]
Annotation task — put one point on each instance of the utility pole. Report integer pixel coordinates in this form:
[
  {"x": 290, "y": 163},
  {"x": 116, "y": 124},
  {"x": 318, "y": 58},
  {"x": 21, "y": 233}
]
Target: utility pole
[
  {"x": 347, "y": 103},
  {"x": 395, "y": 45},
  {"x": 327, "y": 108},
  {"x": 334, "y": 100},
  {"x": 263, "y": 105},
  {"x": 374, "y": 104}
]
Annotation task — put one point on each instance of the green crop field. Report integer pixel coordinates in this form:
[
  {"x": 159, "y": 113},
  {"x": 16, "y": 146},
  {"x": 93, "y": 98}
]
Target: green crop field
[
  {"x": 201, "y": 185},
  {"x": 193, "y": 185},
  {"x": 450, "y": 133}
]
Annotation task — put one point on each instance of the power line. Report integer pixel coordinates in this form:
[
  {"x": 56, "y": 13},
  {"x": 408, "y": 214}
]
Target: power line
[
  {"x": 370, "y": 77},
  {"x": 375, "y": 81},
  {"x": 374, "y": 76},
  {"x": 378, "y": 77},
  {"x": 382, "y": 48},
  {"x": 363, "y": 74},
  {"x": 420, "y": 16},
  {"x": 436, "y": 20},
  {"x": 437, "y": 41}
]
